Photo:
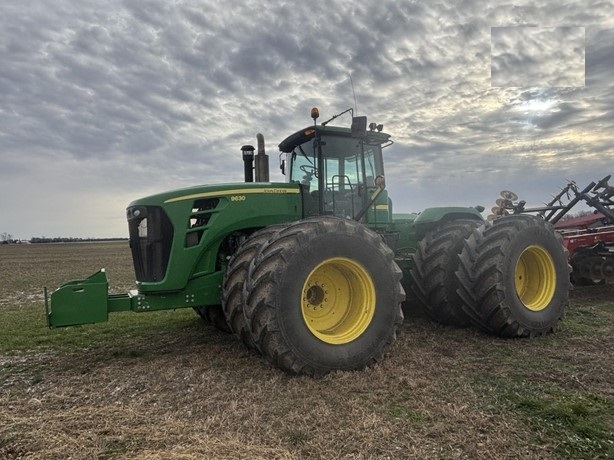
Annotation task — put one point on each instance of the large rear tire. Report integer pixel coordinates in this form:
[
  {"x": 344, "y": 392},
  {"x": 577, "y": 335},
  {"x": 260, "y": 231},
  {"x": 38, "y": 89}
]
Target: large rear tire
[
  {"x": 324, "y": 294},
  {"x": 514, "y": 277},
  {"x": 234, "y": 280},
  {"x": 433, "y": 275}
]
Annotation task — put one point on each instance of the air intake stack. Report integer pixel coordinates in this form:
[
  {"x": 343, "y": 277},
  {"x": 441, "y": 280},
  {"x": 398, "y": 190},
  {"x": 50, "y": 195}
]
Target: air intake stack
[{"x": 262, "y": 161}]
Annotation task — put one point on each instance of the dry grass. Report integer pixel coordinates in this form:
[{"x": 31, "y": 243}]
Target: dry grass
[{"x": 166, "y": 385}]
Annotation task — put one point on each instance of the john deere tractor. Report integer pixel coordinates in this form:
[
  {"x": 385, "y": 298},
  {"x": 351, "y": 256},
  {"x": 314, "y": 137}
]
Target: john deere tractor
[{"x": 312, "y": 273}]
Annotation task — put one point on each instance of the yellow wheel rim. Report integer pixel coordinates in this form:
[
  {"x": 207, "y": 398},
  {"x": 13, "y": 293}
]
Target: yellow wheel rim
[
  {"x": 338, "y": 300},
  {"x": 535, "y": 278}
]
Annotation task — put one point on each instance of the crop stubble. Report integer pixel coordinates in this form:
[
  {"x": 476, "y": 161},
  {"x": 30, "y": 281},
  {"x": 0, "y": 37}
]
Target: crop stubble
[{"x": 166, "y": 385}]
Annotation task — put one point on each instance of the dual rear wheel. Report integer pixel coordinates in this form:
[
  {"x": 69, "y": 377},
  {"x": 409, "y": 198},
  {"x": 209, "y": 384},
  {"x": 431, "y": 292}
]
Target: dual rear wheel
[
  {"x": 509, "y": 277},
  {"x": 514, "y": 277},
  {"x": 315, "y": 296}
]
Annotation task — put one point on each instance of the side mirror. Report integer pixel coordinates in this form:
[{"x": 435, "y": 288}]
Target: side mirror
[{"x": 282, "y": 166}]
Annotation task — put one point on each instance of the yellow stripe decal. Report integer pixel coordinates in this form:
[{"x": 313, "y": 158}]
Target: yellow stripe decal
[
  {"x": 238, "y": 191},
  {"x": 382, "y": 207}
]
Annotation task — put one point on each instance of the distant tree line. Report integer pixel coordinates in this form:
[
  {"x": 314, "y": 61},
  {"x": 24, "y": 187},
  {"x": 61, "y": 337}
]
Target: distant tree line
[
  {"x": 7, "y": 238},
  {"x": 570, "y": 215},
  {"x": 44, "y": 239}
]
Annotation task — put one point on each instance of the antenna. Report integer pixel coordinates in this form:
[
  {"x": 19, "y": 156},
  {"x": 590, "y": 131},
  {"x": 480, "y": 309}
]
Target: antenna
[{"x": 354, "y": 93}]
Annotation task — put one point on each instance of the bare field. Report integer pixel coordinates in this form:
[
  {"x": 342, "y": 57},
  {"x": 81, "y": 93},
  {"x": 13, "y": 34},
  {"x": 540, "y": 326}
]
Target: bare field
[{"x": 166, "y": 385}]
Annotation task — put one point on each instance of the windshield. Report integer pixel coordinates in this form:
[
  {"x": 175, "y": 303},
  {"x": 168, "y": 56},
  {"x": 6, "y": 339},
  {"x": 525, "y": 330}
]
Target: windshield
[{"x": 347, "y": 172}]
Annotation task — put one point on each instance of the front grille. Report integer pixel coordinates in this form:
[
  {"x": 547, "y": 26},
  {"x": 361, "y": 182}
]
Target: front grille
[{"x": 151, "y": 238}]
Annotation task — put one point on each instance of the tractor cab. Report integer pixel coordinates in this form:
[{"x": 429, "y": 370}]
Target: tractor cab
[{"x": 337, "y": 170}]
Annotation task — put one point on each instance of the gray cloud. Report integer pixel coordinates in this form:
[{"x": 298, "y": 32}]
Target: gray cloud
[
  {"x": 102, "y": 102},
  {"x": 537, "y": 56}
]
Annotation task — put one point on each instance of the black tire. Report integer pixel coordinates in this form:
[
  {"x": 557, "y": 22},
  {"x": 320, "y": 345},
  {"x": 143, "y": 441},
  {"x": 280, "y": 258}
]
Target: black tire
[
  {"x": 213, "y": 315},
  {"x": 234, "y": 279},
  {"x": 586, "y": 269},
  {"x": 309, "y": 275},
  {"x": 433, "y": 275},
  {"x": 514, "y": 277}
]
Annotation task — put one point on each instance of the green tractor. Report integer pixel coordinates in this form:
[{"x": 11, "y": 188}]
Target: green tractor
[{"x": 312, "y": 273}]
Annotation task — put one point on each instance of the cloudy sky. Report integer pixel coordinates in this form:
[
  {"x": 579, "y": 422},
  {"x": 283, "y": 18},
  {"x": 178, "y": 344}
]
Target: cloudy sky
[{"x": 105, "y": 102}]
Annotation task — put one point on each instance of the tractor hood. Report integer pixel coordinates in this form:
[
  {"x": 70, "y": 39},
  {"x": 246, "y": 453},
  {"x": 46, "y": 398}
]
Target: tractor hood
[
  {"x": 176, "y": 236},
  {"x": 216, "y": 190}
]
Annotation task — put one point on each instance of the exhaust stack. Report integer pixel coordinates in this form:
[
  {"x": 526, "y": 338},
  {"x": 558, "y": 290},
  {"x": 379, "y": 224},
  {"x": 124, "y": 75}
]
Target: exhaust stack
[{"x": 262, "y": 161}]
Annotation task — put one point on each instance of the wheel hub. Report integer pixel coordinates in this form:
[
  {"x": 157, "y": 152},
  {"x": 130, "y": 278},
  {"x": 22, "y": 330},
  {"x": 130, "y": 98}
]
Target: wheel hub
[{"x": 314, "y": 296}]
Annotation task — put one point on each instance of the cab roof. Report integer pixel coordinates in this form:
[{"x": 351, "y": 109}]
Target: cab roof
[{"x": 303, "y": 135}]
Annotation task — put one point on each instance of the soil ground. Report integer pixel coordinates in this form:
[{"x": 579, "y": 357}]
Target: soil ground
[{"x": 167, "y": 385}]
